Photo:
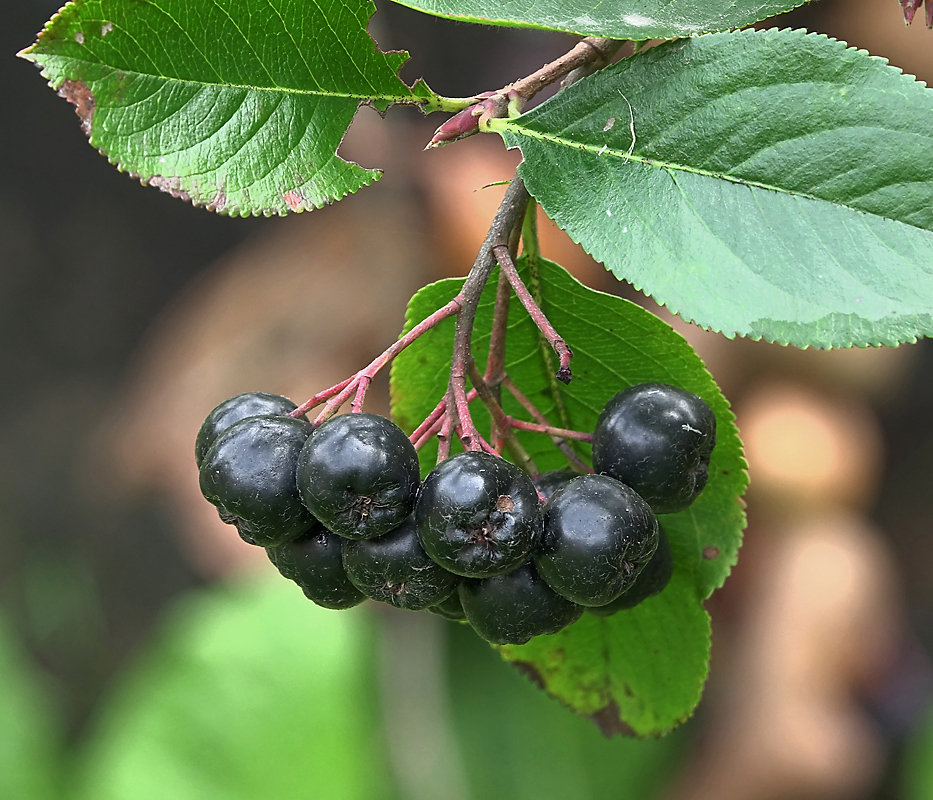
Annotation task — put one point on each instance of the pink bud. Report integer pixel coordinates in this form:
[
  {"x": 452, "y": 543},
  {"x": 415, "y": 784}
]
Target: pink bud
[
  {"x": 910, "y": 9},
  {"x": 460, "y": 125}
]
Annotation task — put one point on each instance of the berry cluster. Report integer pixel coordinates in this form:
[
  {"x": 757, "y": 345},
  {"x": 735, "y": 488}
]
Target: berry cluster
[{"x": 342, "y": 512}]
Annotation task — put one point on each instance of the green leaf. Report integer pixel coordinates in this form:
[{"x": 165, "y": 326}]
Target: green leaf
[
  {"x": 637, "y": 20},
  {"x": 249, "y": 692},
  {"x": 645, "y": 667},
  {"x": 237, "y": 106},
  {"x": 778, "y": 185},
  {"x": 30, "y": 735}
]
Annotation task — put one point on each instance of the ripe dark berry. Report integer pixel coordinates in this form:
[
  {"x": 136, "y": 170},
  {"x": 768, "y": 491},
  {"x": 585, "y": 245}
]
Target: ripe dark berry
[
  {"x": 359, "y": 474},
  {"x": 549, "y": 482},
  {"x": 478, "y": 515},
  {"x": 315, "y": 562},
  {"x": 249, "y": 472},
  {"x": 511, "y": 608},
  {"x": 652, "y": 580},
  {"x": 658, "y": 440},
  {"x": 230, "y": 412},
  {"x": 451, "y": 608},
  {"x": 394, "y": 569},
  {"x": 598, "y": 536}
]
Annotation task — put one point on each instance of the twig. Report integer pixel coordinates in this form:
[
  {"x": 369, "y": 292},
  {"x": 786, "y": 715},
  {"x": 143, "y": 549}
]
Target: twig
[
  {"x": 591, "y": 50},
  {"x": 534, "y": 311},
  {"x": 509, "y": 212}
]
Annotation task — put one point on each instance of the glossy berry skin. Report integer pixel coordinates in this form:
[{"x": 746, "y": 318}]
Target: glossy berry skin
[
  {"x": 315, "y": 562},
  {"x": 249, "y": 472},
  {"x": 359, "y": 475},
  {"x": 651, "y": 581},
  {"x": 657, "y": 439},
  {"x": 394, "y": 569},
  {"x": 598, "y": 536},
  {"x": 451, "y": 608},
  {"x": 512, "y": 608},
  {"x": 478, "y": 515},
  {"x": 549, "y": 482},
  {"x": 230, "y": 412}
]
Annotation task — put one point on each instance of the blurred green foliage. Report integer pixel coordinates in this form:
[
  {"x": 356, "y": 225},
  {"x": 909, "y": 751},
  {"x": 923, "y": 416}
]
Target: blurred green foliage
[
  {"x": 250, "y": 691},
  {"x": 30, "y": 755}
]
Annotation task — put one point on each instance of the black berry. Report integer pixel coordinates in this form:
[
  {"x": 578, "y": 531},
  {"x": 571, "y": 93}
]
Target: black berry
[
  {"x": 549, "y": 482},
  {"x": 478, "y": 515},
  {"x": 652, "y": 580},
  {"x": 657, "y": 439},
  {"x": 598, "y": 536},
  {"x": 359, "y": 475},
  {"x": 249, "y": 472},
  {"x": 230, "y": 412},
  {"x": 451, "y": 608},
  {"x": 315, "y": 562},
  {"x": 394, "y": 569},
  {"x": 512, "y": 608}
]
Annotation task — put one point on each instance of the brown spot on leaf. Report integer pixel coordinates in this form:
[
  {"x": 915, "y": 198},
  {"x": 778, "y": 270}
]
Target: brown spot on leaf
[
  {"x": 610, "y": 723},
  {"x": 170, "y": 185},
  {"x": 710, "y": 552},
  {"x": 505, "y": 504},
  {"x": 219, "y": 203},
  {"x": 531, "y": 672},
  {"x": 80, "y": 96},
  {"x": 293, "y": 199}
]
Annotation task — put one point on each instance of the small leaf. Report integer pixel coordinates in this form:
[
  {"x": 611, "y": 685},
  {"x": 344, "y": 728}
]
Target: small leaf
[
  {"x": 638, "y": 20},
  {"x": 644, "y": 668},
  {"x": 769, "y": 184},
  {"x": 236, "y": 106}
]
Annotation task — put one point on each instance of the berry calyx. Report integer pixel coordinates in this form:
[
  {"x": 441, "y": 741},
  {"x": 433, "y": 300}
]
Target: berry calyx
[
  {"x": 478, "y": 515},
  {"x": 598, "y": 536},
  {"x": 249, "y": 473},
  {"x": 230, "y": 412},
  {"x": 652, "y": 580},
  {"x": 394, "y": 569},
  {"x": 315, "y": 562},
  {"x": 657, "y": 439},
  {"x": 512, "y": 608},
  {"x": 359, "y": 474}
]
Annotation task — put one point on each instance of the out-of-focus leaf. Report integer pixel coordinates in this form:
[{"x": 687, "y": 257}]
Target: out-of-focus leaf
[{"x": 251, "y": 692}]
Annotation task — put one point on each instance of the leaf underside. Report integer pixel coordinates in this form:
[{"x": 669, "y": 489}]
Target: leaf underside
[
  {"x": 770, "y": 184},
  {"x": 236, "y": 106},
  {"x": 642, "y": 670},
  {"x": 637, "y": 20}
]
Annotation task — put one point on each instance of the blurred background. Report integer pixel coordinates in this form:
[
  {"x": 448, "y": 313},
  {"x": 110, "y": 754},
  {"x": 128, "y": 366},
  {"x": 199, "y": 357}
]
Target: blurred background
[{"x": 147, "y": 653}]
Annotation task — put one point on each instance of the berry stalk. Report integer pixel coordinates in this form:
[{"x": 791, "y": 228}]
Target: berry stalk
[
  {"x": 572, "y": 458},
  {"x": 554, "y": 339}
]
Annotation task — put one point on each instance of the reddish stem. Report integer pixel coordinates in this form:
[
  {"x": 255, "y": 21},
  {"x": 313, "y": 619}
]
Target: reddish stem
[
  {"x": 562, "y": 433},
  {"x": 560, "y": 347},
  {"x": 359, "y": 383},
  {"x": 319, "y": 398},
  {"x": 357, "y": 406},
  {"x": 561, "y": 444}
]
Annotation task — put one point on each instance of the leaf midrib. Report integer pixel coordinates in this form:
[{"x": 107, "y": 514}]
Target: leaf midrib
[
  {"x": 409, "y": 99},
  {"x": 499, "y": 125}
]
